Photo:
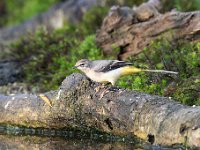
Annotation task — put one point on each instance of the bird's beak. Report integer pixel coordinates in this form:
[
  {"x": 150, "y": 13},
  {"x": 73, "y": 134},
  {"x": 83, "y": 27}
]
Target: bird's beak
[{"x": 74, "y": 67}]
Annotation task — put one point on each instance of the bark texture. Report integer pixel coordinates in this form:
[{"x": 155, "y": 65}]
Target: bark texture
[
  {"x": 121, "y": 112},
  {"x": 133, "y": 29}
]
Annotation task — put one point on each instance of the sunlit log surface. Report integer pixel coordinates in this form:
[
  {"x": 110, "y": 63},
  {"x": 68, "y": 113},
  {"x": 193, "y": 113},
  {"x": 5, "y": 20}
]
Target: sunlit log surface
[
  {"x": 120, "y": 112},
  {"x": 133, "y": 29}
]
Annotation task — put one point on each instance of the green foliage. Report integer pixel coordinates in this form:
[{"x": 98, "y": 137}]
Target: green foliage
[
  {"x": 182, "y": 57},
  {"x": 42, "y": 64},
  {"x": 49, "y": 57},
  {"x": 181, "y": 5},
  {"x": 188, "y": 91},
  {"x": 52, "y": 56},
  {"x": 20, "y": 10},
  {"x": 185, "y": 5},
  {"x": 93, "y": 18}
]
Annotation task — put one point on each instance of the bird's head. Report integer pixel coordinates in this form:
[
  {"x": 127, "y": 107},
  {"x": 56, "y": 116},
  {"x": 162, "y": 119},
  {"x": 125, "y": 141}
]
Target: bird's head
[{"x": 83, "y": 65}]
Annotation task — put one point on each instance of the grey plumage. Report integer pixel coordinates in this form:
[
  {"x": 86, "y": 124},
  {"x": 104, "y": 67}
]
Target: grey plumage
[
  {"x": 110, "y": 70},
  {"x": 107, "y": 65}
]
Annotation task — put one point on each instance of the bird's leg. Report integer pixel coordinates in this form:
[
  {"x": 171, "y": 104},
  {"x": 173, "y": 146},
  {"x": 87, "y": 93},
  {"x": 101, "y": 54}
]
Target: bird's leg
[
  {"x": 106, "y": 90},
  {"x": 103, "y": 93},
  {"x": 97, "y": 89}
]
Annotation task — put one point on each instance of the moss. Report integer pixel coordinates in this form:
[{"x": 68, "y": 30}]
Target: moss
[
  {"x": 181, "y": 5},
  {"x": 18, "y": 11},
  {"x": 188, "y": 91}
]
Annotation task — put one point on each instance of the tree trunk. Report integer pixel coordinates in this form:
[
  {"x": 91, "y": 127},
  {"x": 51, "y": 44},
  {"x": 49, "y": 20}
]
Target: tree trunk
[
  {"x": 120, "y": 112},
  {"x": 133, "y": 29}
]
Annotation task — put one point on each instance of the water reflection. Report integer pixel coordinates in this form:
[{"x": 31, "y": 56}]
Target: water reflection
[
  {"x": 10, "y": 142},
  {"x": 19, "y": 138},
  {"x": 13, "y": 142}
]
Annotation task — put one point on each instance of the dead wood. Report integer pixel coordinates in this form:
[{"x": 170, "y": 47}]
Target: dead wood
[
  {"x": 133, "y": 29},
  {"x": 121, "y": 112}
]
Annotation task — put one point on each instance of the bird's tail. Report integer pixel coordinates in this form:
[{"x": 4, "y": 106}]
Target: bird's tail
[
  {"x": 128, "y": 70},
  {"x": 161, "y": 71}
]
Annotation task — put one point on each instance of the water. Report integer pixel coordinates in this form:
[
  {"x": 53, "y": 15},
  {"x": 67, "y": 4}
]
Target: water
[
  {"x": 11, "y": 142},
  {"x": 15, "y": 138},
  {"x": 8, "y": 142}
]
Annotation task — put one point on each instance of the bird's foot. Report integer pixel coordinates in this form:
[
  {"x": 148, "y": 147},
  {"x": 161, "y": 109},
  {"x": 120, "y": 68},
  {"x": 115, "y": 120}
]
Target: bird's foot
[
  {"x": 104, "y": 93},
  {"x": 105, "y": 90},
  {"x": 97, "y": 89}
]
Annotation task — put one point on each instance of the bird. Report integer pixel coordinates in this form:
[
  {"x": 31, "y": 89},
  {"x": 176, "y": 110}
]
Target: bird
[{"x": 109, "y": 71}]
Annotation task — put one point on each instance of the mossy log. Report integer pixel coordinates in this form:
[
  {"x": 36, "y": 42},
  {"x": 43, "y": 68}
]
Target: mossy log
[
  {"x": 76, "y": 104},
  {"x": 133, "y": 29}
]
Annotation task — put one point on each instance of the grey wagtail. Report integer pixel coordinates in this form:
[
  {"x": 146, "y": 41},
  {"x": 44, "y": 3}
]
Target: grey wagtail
[{"x": 109, "y": 71}]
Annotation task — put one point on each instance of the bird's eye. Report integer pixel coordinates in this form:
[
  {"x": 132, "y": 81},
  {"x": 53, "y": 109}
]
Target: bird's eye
[{"x": 81, "y": 65}]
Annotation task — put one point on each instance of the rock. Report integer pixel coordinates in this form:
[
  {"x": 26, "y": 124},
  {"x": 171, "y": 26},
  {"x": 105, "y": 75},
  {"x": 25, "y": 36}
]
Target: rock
[{"x": 10, "y": 71}]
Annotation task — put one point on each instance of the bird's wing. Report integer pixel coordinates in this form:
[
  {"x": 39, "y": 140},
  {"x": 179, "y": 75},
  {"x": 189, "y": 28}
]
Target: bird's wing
[{"x": 108, "y": 65}]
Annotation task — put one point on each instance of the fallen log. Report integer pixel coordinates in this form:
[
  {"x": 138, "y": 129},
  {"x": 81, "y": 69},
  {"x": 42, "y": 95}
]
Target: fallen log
[
  {"x": 133, "y": 29},
  {"x": 120, "y": 112}
]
